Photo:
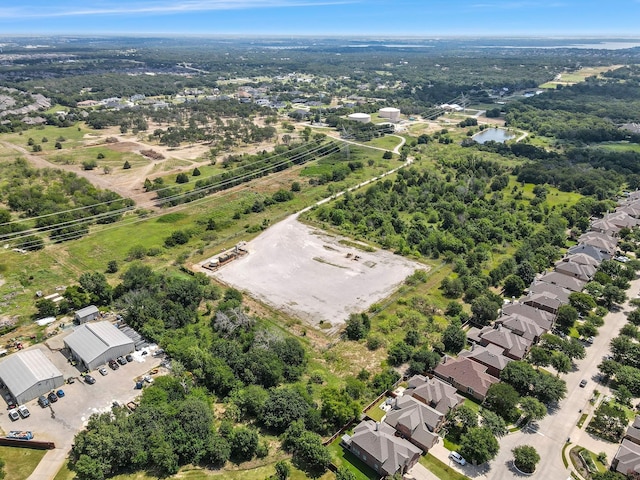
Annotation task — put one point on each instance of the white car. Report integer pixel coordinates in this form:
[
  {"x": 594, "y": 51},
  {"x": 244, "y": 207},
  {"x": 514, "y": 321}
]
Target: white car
[
  {"x": 456, "y": 457},
  {"x": 103, "y": 371},
  {"x": 14, "y": 415},
  {"x": 23, "y": 411},
  {"x": 148, "y": 378}
]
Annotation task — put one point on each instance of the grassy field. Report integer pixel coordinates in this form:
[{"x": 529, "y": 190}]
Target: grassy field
[
  {"x": 571, "y": 78},
  {"x": 375, "y": 412},
  {"x": 619, "y": 146},
  {"x": 386, "y": 142},
  {"x": 195, "y": 473},
  {"x": 20, "y": 462},
  {"x": 440, "y": 470}
]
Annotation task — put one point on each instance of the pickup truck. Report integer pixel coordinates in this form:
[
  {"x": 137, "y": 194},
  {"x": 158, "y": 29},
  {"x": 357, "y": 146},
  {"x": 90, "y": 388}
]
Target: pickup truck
[{"x": 23, "y": 411}]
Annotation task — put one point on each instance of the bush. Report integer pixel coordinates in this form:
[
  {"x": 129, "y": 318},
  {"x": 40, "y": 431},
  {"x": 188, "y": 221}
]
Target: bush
[{"x": 525, "y": 458}]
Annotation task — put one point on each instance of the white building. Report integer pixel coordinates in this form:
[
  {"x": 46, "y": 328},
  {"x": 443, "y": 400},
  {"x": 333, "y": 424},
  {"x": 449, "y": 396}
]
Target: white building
[
  {"x": 94, "y": 344},
  {"x": 360, "y": 117},
  {"x": 393, "y": 114},
  {"x": 29, "y": 374}
]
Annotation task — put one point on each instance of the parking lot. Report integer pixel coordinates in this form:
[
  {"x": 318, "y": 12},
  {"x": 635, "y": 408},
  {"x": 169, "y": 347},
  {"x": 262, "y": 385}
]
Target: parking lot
[{"x": 63, "y": 419}]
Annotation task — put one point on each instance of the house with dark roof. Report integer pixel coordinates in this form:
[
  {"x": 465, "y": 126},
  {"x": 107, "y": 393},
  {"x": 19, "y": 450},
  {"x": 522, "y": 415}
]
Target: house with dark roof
[
  {"x": 377, "y": 445},
  {"x": 544, "y": 301},
  {"x": 490, "y": 356},
  {"x": 542, "y": 318},
  {"x": 551, "y": 290},
  {"x": 439, "y": 395},
  {"x": 604, "y": 226},
  {"x": 565, "y": 281},
  {"x": 589, "y": 250},
  {"x": 576, "y": 270},
  {"x": 417, "y": 422},
  {"x": 466, "y": 375},
  {"x": 522, "y": 326},
  {"x": 513, "y": 346},
  {"x": 627, "y": 458},
  {"x": 633, "y": 431},
  {"x": 581, "y": 259}
]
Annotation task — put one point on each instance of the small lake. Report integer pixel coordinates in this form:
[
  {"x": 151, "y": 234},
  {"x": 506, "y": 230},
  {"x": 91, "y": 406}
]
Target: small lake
[{"x": 493, "y": 134}]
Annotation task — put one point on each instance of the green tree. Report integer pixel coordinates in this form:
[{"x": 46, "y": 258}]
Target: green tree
[
  {"x": 387, "y": 155},
  {"x": 182, "y": 178},
  {"x": 493, "y": 422},
  {"x": 283, "y": 470},
  {"x": 623, "y": 395},
  {"x": 478, "y": 445},
  {"x": 310, "y": 454},
  {"x": 520, "y": 375},
  {"x": 513, "y": 286},
  {"x": 561, "y": 362},
  {"x": 582, "y": 302},
  {"x": 196, "y": 172},
  {"x": 46, "y": 308},
  {"x": 244, "y": 442},
  {"x": 112, "y": 266},
  {"x": 502, "y": 399},
  {"x": 532, "y": 409},
  {"x": 284, "y": 406},
  {"x": 345, "y": 474},
  {"x": 485, "y": 310},
  {"x": 87, "y": 468},
  {"x": 357, "y": 326},
  {"x": 454, "y": 338},
  {"x": 566, "y": 318},
  {"x": 539, "y": 356},
  {"x": 126, "y": 165},
  {"x": 525, "y": 458},
  {"x": 612, "y": 295}
]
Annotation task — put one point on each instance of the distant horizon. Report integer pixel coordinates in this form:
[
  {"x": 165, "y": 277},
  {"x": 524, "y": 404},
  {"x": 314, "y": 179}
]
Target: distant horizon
[{"x": 386, "y": 18}]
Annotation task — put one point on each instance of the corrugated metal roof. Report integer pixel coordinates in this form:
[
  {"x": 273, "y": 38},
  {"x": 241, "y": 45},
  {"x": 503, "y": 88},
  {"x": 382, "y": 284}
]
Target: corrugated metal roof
[
  {"x": 24, "y": 369},
  {"x": 91, "y": 340},
  {"x": 83, "y": 312}
]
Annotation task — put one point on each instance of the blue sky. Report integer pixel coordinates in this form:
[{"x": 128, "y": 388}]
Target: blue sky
[{"x": 328, "y": 17}]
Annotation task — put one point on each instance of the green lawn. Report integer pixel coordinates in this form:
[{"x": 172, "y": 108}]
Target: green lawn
[
  {"x": 20, "y": 462},
  {"x": 387, "y": 142},
  {"x": 440, "y": 469},
  {"x": 619, "y": 146},
  {"x": 342, "y": 458},
  {"x": 375, "y": 412}
]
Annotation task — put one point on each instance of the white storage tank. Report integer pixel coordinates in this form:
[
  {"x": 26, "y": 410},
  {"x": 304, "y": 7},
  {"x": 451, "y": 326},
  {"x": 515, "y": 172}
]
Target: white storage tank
[
  {"x": 393, "y": 114},
  {"x": 360, "y": 117}
]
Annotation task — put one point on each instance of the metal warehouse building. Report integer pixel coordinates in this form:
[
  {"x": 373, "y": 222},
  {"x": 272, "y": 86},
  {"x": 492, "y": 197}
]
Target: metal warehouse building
[
  {"x": 94, "y": 344},
  {"x": 29, "y": 374}
]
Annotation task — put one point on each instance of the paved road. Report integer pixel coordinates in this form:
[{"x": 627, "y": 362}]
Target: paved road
[{"x": 552, "y": 432}]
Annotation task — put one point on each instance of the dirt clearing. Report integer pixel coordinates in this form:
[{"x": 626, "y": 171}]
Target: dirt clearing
[{"x": 310, "y": 275}]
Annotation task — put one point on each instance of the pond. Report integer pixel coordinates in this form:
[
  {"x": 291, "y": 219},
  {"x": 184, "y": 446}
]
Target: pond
[{"x": 493, "y": 134}]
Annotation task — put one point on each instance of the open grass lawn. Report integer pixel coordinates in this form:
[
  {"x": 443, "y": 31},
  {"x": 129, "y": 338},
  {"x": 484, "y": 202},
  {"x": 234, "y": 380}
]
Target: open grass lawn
[
  {"x": 195, "y": 473},
  {"x": 387, "y": 142},
  {"x": 111, "y": 158},
  {"x": 20, "y": 462},
  {"x": 440, "y": 469},
  {"x": 342, "y": 458},
  {"x": 73, "y": 136},
  {"x": 375, "y": 412},
  {"x": 619, "y": 146}
]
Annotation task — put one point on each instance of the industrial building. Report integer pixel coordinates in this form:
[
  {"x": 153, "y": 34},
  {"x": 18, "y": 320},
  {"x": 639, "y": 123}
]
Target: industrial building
[
  {"x": 94, "y": 344},
  {"x": 360, "y": 117},
  {"x": 393, "y": 114},
  {"x": 87, "y": 314},
  {"x": 29, "y": 374}
]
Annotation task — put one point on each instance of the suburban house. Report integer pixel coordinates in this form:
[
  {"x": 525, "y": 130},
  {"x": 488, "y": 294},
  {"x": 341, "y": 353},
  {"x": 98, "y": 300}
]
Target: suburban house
[
  {"x": 565, "y": 281},
  {"x": 542, "y": 318},
  {"x": 543, "y": 301},
  {"x": 600, "y": 243},
  {"x": 580, "y": 258},
  {"x": 633, "y": 431},
  {"x": 522, "y": 326},
  {"x": 577, "y": 270},
  {"x": 589, "y": 250},
  {"x": 417, "y": 422},
  {"x": 514, "y": 346},
  {"x": 604, "y": 226},
  {"x": 87, "y": 314},
  {"x": 439, "y": 395},
  {"x": 632, "y": 209},
  {"x": 377, "y": 445},
  {"x": 490, "y": 356},
  {"x": 592, "y": 235},
  {"x": 550, "y": 289},
  {"x": 466, "y": 375},
  {"x": 627, "y": 458},
  {"x": 622, "y": 220}
]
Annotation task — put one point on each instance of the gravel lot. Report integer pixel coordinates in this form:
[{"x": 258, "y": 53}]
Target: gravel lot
[
  {"x": 68, "y": 415},
  {"x": 310, "y": 275}
]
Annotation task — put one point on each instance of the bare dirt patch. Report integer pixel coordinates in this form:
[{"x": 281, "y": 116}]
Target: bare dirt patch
[
  {"x": 123, "y": 146},
  {"x": 310, "y": 275}
]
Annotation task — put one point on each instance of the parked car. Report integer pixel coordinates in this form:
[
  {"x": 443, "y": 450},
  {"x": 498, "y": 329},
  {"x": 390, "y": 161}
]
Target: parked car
[
  {"x": 113, "y": 365},
  {"x": 139, "y": 385},
  {"x": 590, "y": 340},
  {"x": 583, "y": 383},
  {"x": 148, "y": 378},
  {"x": 158, "y": 352},
  {"x": 14, "y": 415},
  {"x": 122, "y": 360},
  {"x": 23, "y": 411},
  {"x": 103, "y": 371},
  {"x": 52, "y": 397},
  {"x": 129, "y": 358},
  {"x": 42, "y": 401},
  {"x": 60, "y": 393},
  {"x": 89, "y": 379},
  {"x": 456, "y": 457}
]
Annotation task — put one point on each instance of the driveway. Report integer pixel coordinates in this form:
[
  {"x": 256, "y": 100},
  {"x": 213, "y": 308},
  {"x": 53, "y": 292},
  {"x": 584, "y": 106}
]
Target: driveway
[{"x": 550, "y": 435}]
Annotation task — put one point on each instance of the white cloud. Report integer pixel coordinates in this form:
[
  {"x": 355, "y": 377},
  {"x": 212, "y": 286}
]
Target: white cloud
[{"x": 80, "y": 8}]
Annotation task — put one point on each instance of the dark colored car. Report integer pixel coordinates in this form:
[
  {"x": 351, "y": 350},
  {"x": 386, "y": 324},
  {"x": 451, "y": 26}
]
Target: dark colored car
[
  {"x": 113, "y": 365},
  {"x": 52, "y": 397},
  {"x": 42, "y": 401},
  {"x": 122, "y": 360},
  {"x": 89, "y": 379},
  {"x": 129, "y": 358}
]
